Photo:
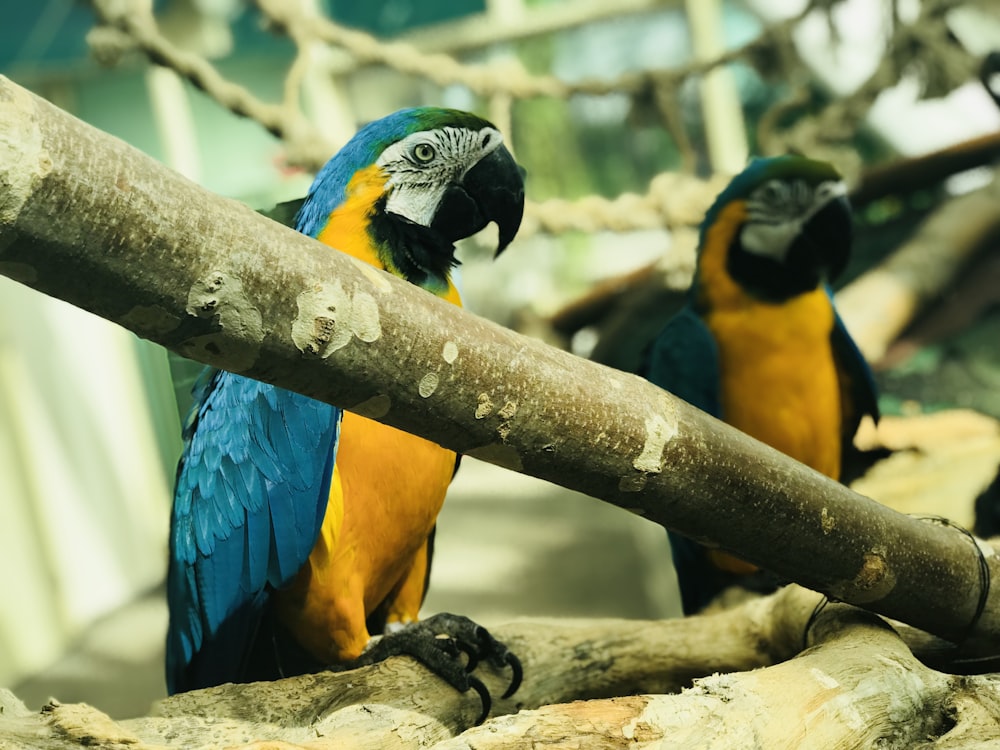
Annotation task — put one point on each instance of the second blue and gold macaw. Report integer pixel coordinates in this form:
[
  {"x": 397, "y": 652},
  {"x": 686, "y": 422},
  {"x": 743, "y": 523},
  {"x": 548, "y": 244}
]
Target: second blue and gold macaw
[
  {"x": 758, "y": 343},
  {"x": 298, "y": 530}
]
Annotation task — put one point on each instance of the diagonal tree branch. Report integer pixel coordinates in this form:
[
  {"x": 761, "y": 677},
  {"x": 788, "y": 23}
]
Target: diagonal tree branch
[{"x": 88, "y": 219}]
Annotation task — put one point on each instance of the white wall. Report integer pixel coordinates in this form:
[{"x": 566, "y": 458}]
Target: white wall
[{"x": 83, "y": 483}]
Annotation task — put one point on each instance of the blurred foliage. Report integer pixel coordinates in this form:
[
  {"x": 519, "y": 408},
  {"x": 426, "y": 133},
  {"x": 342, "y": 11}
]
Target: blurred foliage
[{"x": 963, "y": 371}]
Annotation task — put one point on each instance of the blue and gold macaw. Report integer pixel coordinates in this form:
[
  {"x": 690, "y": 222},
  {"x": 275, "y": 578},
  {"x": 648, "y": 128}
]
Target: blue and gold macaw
[
  {"x": 299, "y": 530},
  {"x": 758, "y": 343}
]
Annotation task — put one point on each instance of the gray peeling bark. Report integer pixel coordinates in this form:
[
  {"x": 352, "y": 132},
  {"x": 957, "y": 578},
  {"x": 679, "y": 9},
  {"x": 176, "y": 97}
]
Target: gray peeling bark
[{"x": 88, "y": 219}]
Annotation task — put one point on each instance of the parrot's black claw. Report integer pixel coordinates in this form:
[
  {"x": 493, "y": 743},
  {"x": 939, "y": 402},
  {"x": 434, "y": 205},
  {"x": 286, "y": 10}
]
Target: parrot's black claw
[
  {"x": 516, "y": 674},
  {"x": 486, "y": 646},
  {"x": 484, "y": 696},
  {"x": 437, "y": 643}
]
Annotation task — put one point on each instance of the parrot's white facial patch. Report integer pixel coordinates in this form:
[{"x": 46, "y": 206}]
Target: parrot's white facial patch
[
  {"x": 422, "y": 166},
  {"x": 777, "y": 211}
]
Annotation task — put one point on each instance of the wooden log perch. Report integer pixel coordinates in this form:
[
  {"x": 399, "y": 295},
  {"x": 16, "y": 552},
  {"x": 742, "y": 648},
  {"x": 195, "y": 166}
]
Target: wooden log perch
[
  {"x": 90, "y": 220},
  {"x": 398, "y": 704},
  {"x": 833, "y": 676},
  {"x": 858, "y": 686}
]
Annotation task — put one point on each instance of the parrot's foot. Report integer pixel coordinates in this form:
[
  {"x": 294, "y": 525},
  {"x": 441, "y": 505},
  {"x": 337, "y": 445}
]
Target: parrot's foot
[{"x": 437, "y": 643}]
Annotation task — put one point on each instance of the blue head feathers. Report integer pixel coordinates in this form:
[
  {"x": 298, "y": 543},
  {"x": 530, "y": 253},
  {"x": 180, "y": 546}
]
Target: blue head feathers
[
  {"x": 759, "y": 171},
  {"x": 328, "y": 189}
]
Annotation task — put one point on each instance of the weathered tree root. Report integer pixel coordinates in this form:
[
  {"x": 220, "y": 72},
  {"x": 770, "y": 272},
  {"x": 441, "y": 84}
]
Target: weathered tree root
[
  {"x": 856, "y": 686},
  {"x": 599, "y": 683}
]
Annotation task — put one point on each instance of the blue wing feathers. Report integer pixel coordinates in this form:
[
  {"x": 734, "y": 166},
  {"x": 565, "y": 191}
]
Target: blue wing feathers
[
  {"x": 252, "y": 487},
  {"x": 857, "y": 382},
  {"x": 258, "y": 534},
  {"x": 684, "y": 359}
]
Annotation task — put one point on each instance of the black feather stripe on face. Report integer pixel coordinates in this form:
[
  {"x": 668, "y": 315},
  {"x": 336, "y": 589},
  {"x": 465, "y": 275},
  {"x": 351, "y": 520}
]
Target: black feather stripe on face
[
  {"x": 810, "y": 235},
  {"x": 421, "y": 255}
]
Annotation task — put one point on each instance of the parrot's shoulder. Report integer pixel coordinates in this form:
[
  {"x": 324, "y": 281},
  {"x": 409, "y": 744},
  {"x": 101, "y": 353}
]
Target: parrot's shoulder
[
  {"x": 284, "y": 212},
  {"x": 684, "y": 359}
]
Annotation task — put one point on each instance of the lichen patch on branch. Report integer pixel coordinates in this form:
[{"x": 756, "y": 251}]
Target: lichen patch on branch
[
  {"x": 827, "y": 521},
  {"x": 658, "y": 432},
  {"x": 330, "y": 317},
  {"x": 221, "y": 298},
  {"x": 428, "y": 384},
  {"x": 484, "y": 406},
  {"x": 506, "y": 414}
]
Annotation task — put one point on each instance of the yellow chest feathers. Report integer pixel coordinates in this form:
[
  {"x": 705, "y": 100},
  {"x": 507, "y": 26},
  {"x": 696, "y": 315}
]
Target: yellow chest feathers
[{"x": 778, "y": 377}]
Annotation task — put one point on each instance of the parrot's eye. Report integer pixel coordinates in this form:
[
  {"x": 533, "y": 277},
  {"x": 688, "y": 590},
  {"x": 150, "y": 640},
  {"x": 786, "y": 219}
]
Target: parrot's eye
[
  {"x": 773, "y": 193},
  {"x": 424, "y": 152}
]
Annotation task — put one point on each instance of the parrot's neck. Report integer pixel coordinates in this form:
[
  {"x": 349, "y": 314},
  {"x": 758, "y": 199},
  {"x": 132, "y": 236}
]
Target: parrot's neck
[{"x": 361, "y": 228}]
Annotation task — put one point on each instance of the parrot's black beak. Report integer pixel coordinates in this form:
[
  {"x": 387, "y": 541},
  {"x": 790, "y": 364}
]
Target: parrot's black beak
[
  {"x": 830, "y": 231},
  {"x": 818, "y": 253},
  {"x": 493, "y": 190}
]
